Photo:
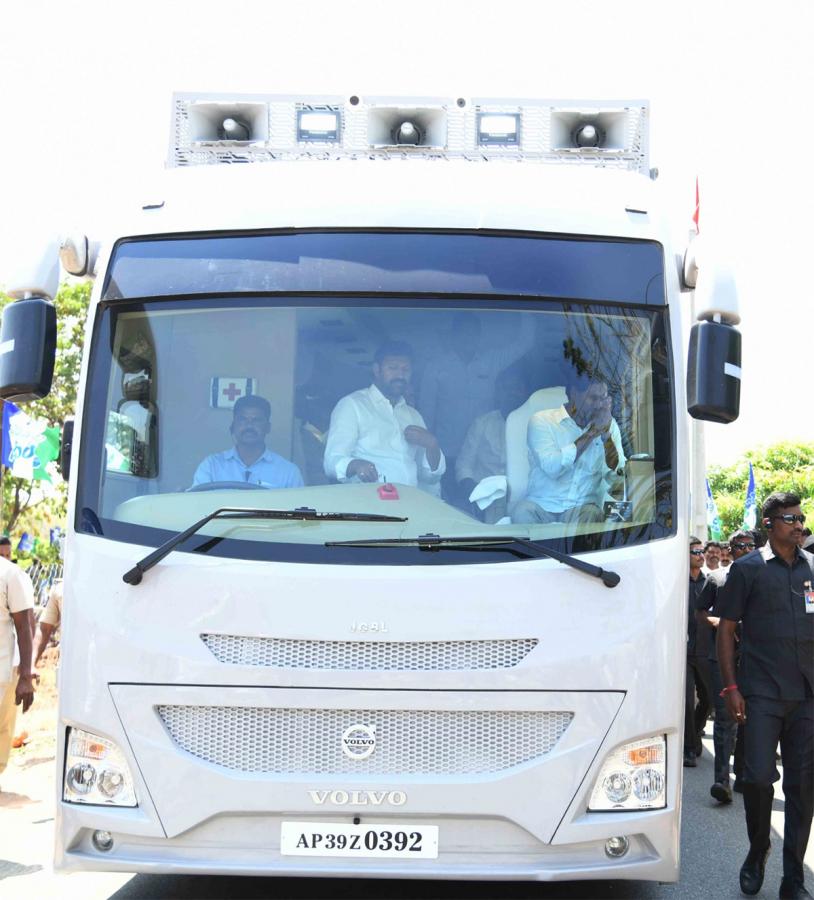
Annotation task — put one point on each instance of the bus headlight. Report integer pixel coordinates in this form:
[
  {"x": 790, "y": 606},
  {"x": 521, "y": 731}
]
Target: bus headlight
[
  {"x": 633, "y": 776},
  {"x": 96, "y": 772}
]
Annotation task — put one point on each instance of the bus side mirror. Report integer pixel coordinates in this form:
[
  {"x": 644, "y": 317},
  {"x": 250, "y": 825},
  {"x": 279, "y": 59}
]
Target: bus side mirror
[
  {"x": 66, "y": 447},
  {"x": 28, "y": 343},
  {"x": 714, "y": 372}
]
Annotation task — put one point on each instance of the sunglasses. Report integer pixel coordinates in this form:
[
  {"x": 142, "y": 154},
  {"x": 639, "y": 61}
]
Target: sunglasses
[
  {"x": 791, "y": 518},
  {"x": 738, "y": 546},
  {"x": 696, "y": 552}
]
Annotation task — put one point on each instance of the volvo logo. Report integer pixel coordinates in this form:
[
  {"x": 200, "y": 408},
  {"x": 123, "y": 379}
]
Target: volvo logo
[
  {"x": 359, "y": 741},
  {"x": 358, "y": 798}
]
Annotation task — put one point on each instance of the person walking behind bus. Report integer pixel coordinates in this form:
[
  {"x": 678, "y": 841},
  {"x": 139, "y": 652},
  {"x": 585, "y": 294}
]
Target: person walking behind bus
[
  {"x": 50, "y": 620},
  {"x": 771, "y": 592},
  {"x": 695, "y": 714},
  {"x": 16, "y": 684},
  {"x": 725, "y": 728}
]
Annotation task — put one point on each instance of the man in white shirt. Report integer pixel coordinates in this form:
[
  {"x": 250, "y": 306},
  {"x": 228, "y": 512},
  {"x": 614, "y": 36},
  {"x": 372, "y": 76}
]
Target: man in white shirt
[
  {"x": 483, "y": 452},
  {"x": 16, "y": 685},
  {"x": 576, "y": 454},
  {"x": 249, "y": 460},
  {"x": 375, "y": 435}
]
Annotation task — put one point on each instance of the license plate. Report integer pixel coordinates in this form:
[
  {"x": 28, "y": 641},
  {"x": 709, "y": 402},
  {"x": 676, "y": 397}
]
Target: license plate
[{"x": 371, "y": 841}]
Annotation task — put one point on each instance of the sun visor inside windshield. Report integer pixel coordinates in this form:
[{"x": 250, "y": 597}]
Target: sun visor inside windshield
[{"x": 390, "y": 262}]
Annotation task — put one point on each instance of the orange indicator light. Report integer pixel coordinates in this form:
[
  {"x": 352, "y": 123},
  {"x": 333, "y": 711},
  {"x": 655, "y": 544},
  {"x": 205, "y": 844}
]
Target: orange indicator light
[{"x": 643, "y": 756}]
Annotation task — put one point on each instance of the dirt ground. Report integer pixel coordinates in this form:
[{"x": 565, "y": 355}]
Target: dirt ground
[{"x": 40, "y": 725}]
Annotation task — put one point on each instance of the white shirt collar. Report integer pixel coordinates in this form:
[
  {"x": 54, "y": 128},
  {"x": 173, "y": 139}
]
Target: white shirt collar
[
  {"x": 378, "y": 397},
  {"x": 232, "y": 453}
]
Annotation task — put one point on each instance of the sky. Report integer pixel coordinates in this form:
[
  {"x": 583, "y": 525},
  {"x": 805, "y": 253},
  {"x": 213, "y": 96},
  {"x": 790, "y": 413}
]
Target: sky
[{"x": 86, "y": 89}]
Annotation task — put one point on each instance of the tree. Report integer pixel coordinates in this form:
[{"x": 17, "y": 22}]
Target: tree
[
  {"x": 21, "y": 497},
  {"x": 786, "y": 466}
]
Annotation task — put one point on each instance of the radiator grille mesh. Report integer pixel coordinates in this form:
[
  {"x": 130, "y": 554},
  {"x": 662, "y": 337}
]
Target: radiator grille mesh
[
  {"x": 408, "y": 742},
  {"x": 369, "y": 656}
]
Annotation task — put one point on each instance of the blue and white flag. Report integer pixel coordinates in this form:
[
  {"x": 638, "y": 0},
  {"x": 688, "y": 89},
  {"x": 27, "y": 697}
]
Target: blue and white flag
[
  {"x": 10, "y": 410},
  {"x": 750, "y": 508},
  {"x": 714, "y": 525},
  {"x": 26, "y": 545},
  {"x": 29, "y": 445}
]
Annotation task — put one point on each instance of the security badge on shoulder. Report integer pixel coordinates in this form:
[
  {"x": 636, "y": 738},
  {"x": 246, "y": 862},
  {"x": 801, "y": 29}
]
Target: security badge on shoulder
[{"x": 808, "y": 595}]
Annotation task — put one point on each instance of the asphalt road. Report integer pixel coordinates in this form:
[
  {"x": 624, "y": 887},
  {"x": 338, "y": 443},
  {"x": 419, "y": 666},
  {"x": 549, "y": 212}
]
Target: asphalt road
[{"x": 713, "y": 845}]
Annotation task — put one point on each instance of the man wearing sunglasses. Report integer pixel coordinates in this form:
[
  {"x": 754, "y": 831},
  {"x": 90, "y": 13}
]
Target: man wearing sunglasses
[
  {"x": 725, "y": 731},
  {"x": 771, "y": 592}
]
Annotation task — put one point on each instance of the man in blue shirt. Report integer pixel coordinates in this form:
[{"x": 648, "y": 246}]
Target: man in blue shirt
[{"x": 249, "y": 460}]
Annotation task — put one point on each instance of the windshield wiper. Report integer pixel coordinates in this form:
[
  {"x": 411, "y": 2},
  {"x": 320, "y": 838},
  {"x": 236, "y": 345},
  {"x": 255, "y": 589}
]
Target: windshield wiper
[
  {"x": 303, "y": 513},
  {"x": 510, "y": 543}
]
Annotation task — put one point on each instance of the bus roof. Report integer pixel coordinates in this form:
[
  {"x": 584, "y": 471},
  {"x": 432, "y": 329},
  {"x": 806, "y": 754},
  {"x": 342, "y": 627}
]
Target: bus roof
[{"x": 401, "y": 194}]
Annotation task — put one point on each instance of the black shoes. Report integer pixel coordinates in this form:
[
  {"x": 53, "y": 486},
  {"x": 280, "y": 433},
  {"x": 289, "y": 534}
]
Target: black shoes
[
  {"x": 721, "y": 791},
  {"x": 751, "y": 875},
  {"x": 795, "y": 889},
  {"x": 689, "y": 759}
]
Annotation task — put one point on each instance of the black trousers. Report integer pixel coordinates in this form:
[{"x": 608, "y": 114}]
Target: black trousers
[
  {"x": 792, "y": 724},
  {"x": 695, "y": 714},
  {"x": 725, "y": 729}
]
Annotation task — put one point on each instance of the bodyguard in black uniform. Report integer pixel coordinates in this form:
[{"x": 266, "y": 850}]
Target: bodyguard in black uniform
[
  {"x": 698, "y": 680},
  {"x": 725, "y": 729},
  {"x": 771, "y": 591}
]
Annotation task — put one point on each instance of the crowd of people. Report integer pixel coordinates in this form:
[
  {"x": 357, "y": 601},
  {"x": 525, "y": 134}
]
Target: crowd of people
[{"x": 750, "y": 658}]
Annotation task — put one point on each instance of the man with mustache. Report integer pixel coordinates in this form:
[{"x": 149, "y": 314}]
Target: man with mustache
[
  {"x": 576, "y": 455},
  {"x": 770, "y": 592},
  {"x": 375, "y": 435},
  {"x": 249, "y": 460}
]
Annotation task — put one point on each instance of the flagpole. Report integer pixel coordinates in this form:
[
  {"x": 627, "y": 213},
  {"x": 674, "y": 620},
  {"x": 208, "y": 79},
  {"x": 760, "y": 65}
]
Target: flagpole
[{"x": 698, "y": 453}]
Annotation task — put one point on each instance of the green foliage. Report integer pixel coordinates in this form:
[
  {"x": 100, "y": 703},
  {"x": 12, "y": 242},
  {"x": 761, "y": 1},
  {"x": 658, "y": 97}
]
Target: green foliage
[
  {"x": 28, "y": 507},
  {"x": 786, "y": 466}
]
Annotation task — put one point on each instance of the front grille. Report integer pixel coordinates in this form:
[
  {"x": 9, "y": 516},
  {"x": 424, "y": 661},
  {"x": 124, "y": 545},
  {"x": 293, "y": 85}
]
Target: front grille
[
  {"x": 369, "y": 656},
  {"x": 408, "y": 742}
]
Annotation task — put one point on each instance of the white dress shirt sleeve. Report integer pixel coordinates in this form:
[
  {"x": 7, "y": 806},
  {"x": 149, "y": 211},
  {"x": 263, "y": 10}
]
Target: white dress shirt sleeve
[
  {"x": 343, "y": 435},
  {"x": 616, "y": 437},
  {"x": 425, "y": 472},
  {"x": 468, "y": 454},
  {"x": 542, "y": 441}
]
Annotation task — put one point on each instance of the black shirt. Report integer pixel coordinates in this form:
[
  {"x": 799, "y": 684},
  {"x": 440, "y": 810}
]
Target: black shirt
[
  {"x": 777, "y": 643},
  {"x": 697, "y": 636},
  {"x": 706, "y": 599}
]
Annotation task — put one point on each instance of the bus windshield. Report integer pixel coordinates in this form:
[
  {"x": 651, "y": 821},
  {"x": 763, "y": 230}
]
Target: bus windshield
[{"x": 464, "y": 415}]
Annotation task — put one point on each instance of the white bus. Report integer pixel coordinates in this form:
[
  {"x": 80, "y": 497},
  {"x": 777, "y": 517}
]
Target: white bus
[{"x": 306, "y": 671}]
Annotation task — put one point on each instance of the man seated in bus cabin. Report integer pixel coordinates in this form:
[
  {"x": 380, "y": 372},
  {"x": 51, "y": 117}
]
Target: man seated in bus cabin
[
  {"x": 483, "y": 452},
  {"x": 576, "y": 455},
  {"x": 249, "y": 461},
  {"x": 375, "y": 435}
]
